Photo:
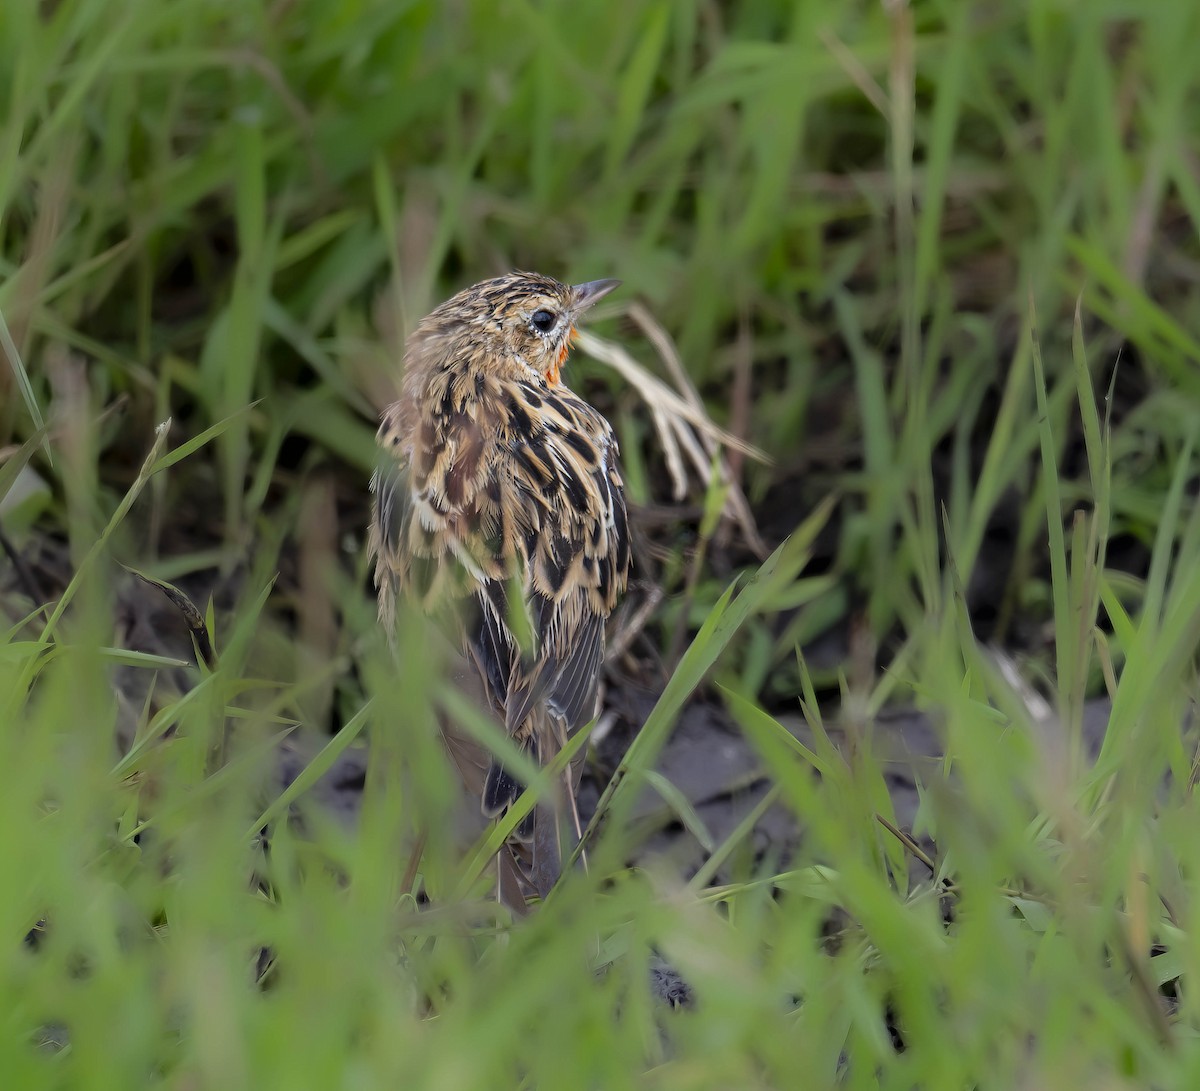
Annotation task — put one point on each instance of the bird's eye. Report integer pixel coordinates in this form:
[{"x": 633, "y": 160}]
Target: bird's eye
[{"x": 544, "y": 320}]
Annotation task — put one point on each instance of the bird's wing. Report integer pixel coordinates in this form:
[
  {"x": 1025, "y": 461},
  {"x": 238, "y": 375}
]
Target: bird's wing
[
  {"x": 521, "y": 501},
  {"x": 572, "y": 696},
  {"x": 434, "y": 531},
  {"x": 561, "y": 511}
]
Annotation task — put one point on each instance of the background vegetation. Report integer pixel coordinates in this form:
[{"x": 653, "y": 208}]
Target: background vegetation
[{"x": 938, "y": 260}]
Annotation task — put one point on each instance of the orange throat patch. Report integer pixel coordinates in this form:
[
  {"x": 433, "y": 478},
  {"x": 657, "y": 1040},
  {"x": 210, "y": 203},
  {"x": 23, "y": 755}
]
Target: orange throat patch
[{"x": 552, "y": 372}]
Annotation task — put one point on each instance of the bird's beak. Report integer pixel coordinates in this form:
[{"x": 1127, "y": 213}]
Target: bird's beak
[
  {"x": 585, "y": 295},
  {"x": 591, "y": 292}
]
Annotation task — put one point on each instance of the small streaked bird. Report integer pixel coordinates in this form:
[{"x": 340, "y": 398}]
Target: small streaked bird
[{"x": 499, "y": 495}]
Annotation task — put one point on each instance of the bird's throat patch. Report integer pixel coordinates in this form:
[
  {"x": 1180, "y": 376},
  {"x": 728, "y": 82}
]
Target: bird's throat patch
[{"x": 552, "y": 373}]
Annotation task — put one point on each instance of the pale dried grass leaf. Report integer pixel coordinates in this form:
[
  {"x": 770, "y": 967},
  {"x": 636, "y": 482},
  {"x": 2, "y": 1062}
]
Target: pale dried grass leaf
[{"x": 687, "y": 434}]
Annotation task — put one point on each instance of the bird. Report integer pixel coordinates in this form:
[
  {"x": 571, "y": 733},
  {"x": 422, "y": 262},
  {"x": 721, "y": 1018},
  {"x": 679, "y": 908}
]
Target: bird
[{"x": 499, "y": 501}]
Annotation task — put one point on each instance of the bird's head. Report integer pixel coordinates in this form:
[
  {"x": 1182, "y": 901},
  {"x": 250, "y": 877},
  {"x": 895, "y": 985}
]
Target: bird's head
[{"x": 520, "y": 322}]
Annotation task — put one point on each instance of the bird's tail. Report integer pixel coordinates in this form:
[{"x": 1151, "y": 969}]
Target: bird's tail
[
  {"x": 553, "y": 825},
  {"x": 501, "y": 789}
]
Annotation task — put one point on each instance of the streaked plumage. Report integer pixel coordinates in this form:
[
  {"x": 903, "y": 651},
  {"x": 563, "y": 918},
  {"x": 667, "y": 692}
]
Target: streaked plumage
[{"x": 500, "y": 490}]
